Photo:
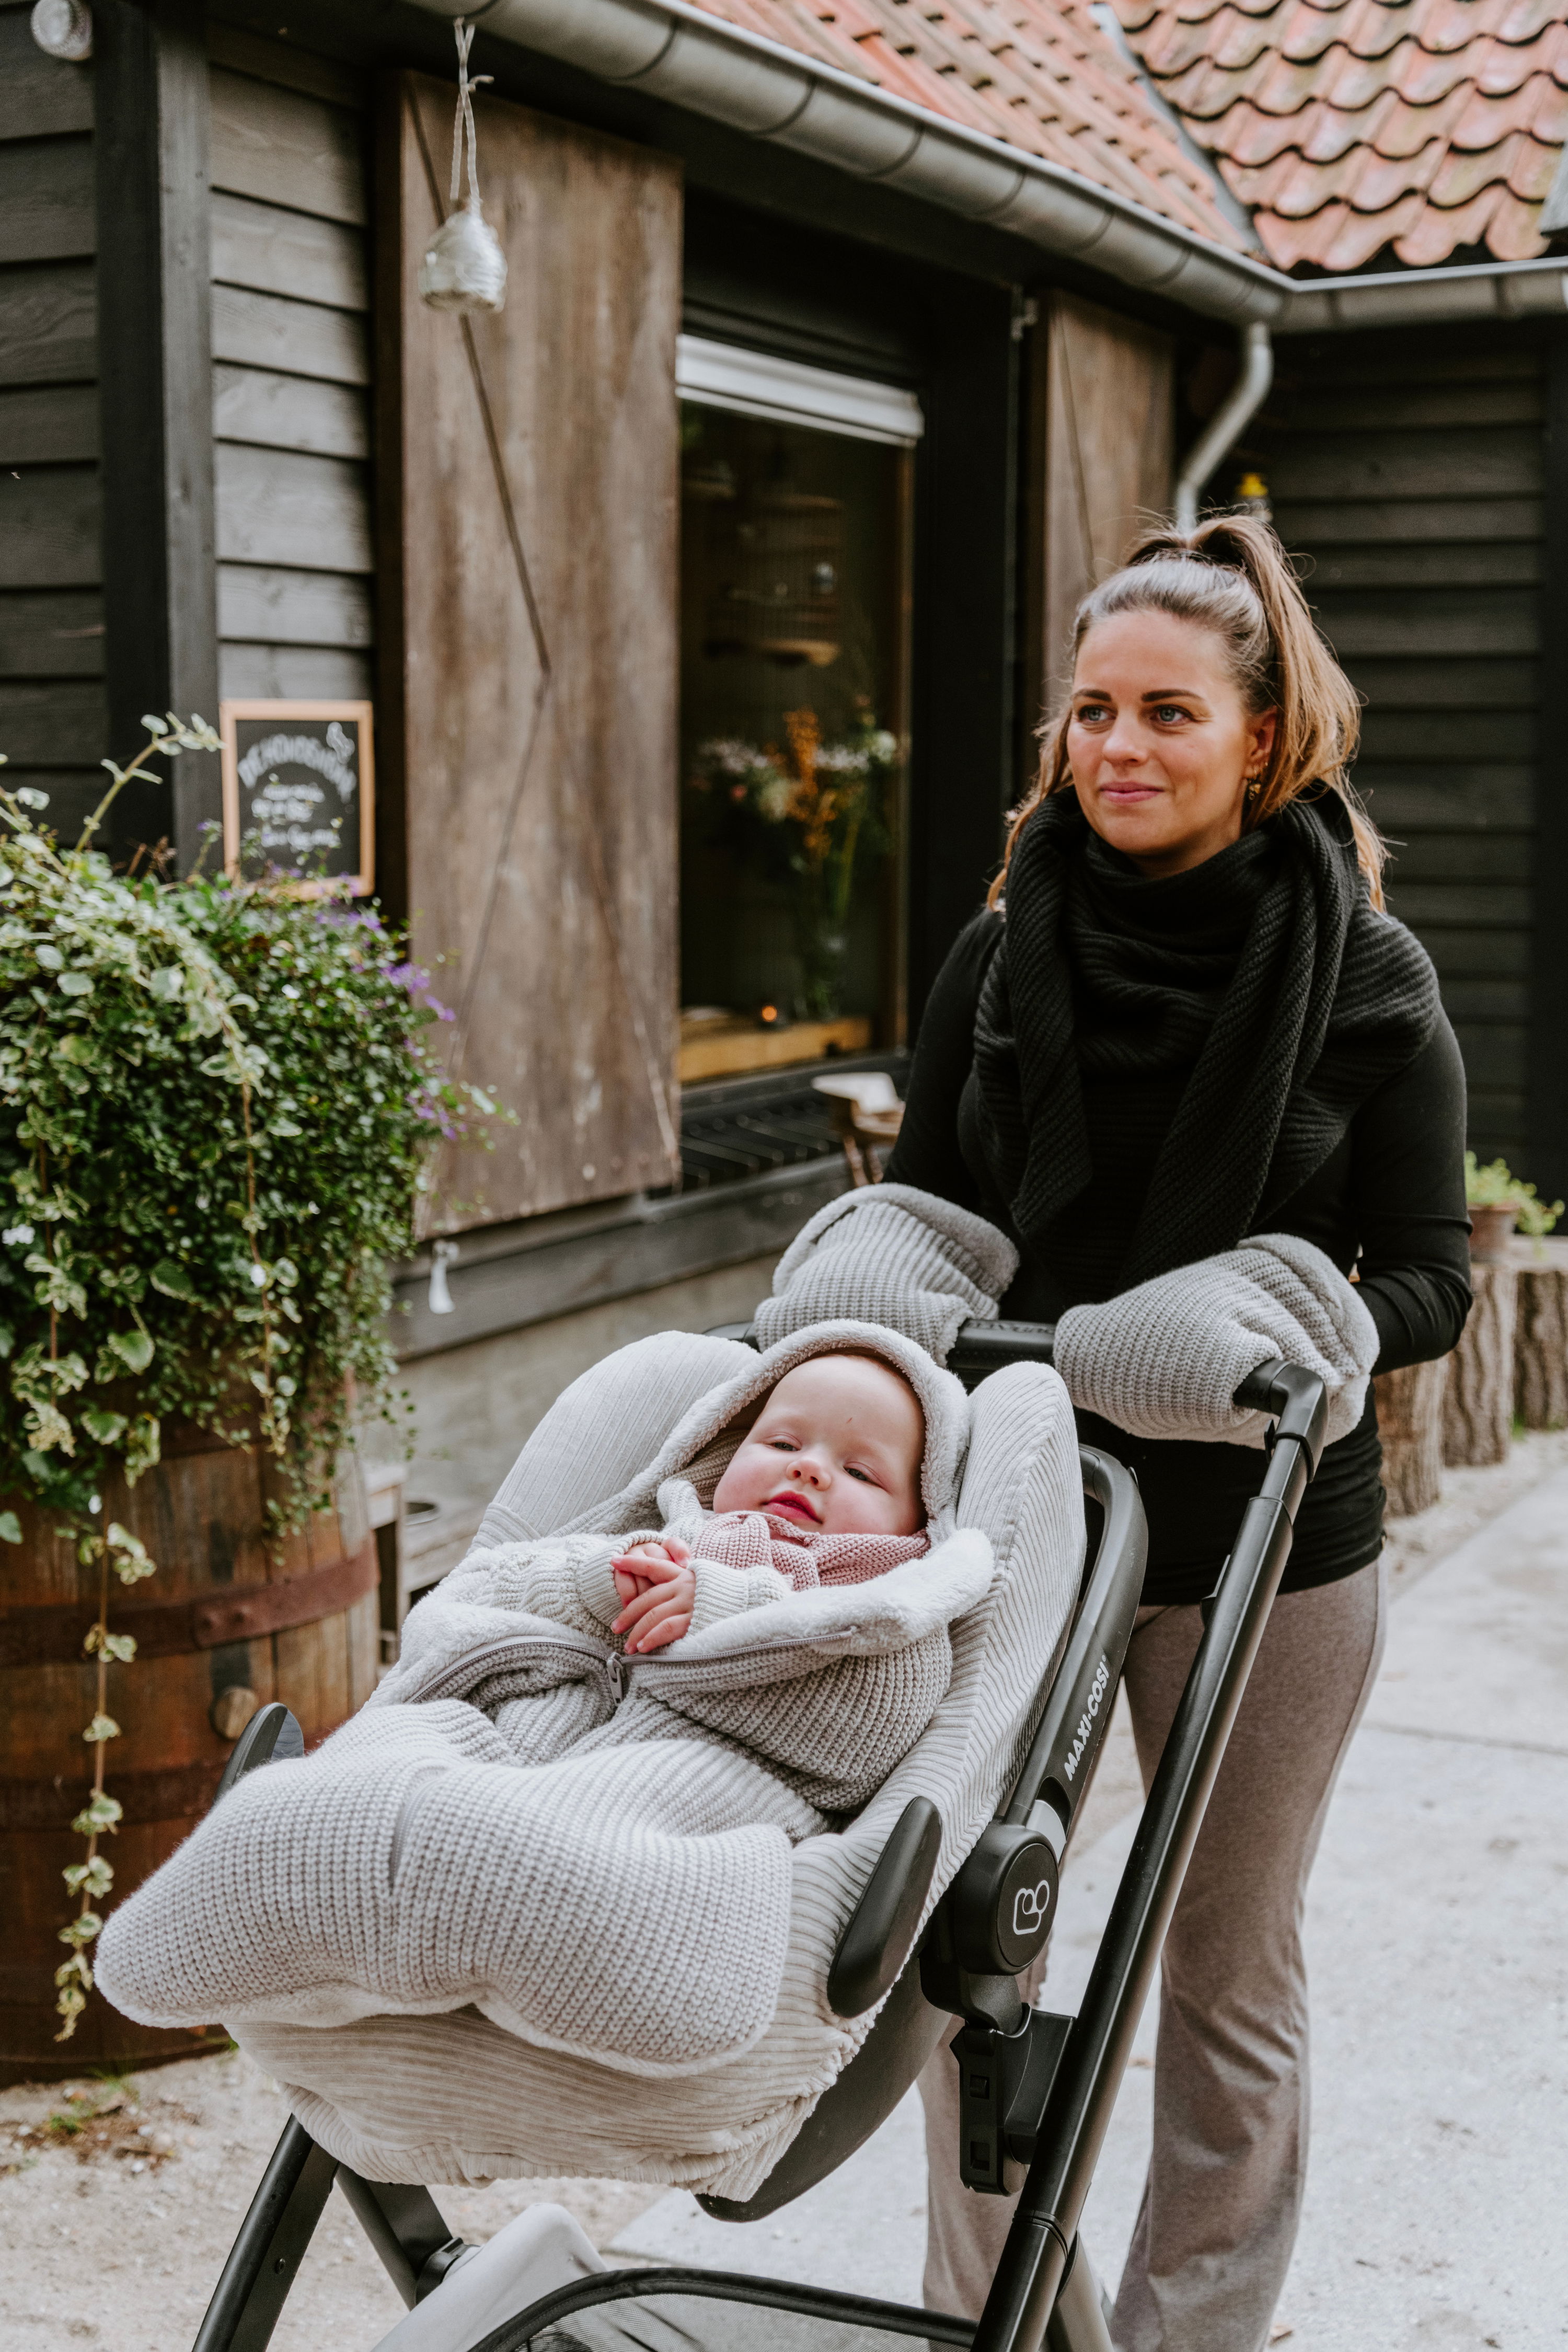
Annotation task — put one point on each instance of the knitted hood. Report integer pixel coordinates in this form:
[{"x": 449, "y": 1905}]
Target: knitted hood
[{"x": 700, "y": 1448}]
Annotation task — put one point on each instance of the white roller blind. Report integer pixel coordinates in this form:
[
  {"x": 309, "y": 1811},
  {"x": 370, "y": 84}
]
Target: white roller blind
[{"x": 725, "y": 375}]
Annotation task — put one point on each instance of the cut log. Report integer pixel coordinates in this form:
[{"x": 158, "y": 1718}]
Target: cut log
[
  {"x": 1540, "y": 1335},
  {"x": 1477, "y": 1408},
  {"x": 1410, "y": 1423}
]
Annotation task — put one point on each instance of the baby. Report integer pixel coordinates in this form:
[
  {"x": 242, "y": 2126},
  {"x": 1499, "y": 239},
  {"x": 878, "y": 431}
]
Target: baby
[{"x": 824, "y": 1487}]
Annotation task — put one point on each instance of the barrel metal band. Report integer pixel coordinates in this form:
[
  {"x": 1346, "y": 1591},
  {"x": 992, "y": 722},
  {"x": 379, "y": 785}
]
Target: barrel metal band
[{"x": 53, "y": 1636}]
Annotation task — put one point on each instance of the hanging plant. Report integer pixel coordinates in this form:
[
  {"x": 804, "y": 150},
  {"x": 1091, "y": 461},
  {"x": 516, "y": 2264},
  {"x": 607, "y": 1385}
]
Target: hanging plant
[{"x": 217, "y": 1111}]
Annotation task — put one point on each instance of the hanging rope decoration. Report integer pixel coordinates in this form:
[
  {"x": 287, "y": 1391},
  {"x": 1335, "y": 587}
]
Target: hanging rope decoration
[{"x": 464, "y": 268}]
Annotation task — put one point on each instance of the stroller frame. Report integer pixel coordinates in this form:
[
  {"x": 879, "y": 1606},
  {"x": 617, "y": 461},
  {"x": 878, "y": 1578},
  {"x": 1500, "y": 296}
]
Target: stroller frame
[{"x": 1037, "y": 2090}]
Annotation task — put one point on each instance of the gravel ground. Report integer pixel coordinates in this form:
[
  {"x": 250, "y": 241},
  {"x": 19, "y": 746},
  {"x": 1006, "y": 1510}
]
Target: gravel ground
[{"x": 119, "y": 2200}]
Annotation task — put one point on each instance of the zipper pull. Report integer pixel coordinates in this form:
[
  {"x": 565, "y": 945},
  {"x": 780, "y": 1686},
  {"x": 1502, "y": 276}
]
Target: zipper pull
[{"x": 615, "y": 1675}]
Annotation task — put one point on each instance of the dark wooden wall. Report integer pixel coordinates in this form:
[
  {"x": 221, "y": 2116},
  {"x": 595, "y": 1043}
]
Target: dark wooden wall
[
  {"x": 1408, "y": 469},
  {"x": 52, "y": 723},
  {"x": 291, "y": 369}
]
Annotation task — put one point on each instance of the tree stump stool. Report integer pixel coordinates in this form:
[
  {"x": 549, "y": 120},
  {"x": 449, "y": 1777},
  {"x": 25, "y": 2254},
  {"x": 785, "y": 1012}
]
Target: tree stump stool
[
  {"x": 1410, "y": 1423},
  {"x": 1477, "y": 1407},
  {"x": 1541, "y": 1334}
]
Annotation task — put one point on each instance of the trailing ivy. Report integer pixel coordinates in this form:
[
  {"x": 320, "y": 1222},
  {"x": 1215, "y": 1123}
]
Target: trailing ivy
[
  {"x": 219, "y": 1104},
  {"x": 217, "y": 1107}
]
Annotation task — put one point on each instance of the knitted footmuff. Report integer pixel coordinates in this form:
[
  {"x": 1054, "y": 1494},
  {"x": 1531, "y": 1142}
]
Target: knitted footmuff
[{"x": 461, "y": 2094}]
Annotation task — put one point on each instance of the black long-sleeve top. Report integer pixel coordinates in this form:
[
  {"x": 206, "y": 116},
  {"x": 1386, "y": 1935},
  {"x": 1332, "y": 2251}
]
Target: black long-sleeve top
[{"x": 1389, "y": 1200}]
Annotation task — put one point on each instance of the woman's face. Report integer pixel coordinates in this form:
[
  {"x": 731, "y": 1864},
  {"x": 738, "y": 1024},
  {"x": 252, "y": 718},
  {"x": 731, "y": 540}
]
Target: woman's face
[{"x": 1160, "y": 744}]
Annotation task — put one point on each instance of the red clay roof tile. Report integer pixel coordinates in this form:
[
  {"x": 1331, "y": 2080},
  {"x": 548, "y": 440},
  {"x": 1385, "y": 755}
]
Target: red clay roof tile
[
  {"x": 1040, "y": 74},
  {"x": 1352, "y": 127}
]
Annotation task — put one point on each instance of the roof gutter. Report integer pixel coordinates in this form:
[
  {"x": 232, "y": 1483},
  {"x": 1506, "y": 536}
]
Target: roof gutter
[
  {"x": 1414, "y": 297},
  {"x": 677, "y": 52}
]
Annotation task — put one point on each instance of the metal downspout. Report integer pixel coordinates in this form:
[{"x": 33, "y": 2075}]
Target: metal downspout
[{"x": 1228, "y": 425}]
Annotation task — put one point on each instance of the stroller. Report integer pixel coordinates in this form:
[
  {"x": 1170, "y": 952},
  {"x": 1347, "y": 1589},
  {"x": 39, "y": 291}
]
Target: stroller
[{"x": 1037, "y": 2090}]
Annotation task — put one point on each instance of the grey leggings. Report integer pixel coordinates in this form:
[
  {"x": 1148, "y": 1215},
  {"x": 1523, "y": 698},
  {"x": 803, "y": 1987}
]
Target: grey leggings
[{"x": 1221, "y": 2203}]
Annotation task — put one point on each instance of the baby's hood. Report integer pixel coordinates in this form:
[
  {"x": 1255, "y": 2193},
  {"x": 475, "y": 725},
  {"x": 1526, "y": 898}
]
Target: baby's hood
[{"x": 699, "y": 1449}]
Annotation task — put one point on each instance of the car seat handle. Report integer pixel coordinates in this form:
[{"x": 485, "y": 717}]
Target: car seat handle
[
  {"x": 882, "y": 1929},
  {"x": 271, "y": 1737}
]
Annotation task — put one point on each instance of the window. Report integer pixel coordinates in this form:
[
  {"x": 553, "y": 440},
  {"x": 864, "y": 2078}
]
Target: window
[{"x": 796, "y": 493}]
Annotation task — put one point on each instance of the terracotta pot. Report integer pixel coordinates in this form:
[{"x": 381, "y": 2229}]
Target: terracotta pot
[
  {"x": 220, "y": 1629},
  {"x": 1492, "y": 1235}
]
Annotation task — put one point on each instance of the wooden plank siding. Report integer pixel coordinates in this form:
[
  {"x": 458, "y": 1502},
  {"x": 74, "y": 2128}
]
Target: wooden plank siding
[
  {"x": 1098, "y": 468},
  {"x": 1407, "y": 473},
  {"x": 292, "y": 373},
  {"x": 52, "y": 726},
  {"x": 530, "y": 644}
]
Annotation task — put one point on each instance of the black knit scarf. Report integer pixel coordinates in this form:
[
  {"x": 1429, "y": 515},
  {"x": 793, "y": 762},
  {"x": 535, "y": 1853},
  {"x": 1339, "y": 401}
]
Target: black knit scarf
[{"x": 1266, "y": 971}]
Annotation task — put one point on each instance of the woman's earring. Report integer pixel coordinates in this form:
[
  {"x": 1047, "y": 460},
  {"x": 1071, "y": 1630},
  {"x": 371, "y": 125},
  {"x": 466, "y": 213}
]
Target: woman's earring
[{"x": 1254, "y": 786}]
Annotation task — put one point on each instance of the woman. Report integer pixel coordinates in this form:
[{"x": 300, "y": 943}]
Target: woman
[{"x": 1182, "y": 1019}]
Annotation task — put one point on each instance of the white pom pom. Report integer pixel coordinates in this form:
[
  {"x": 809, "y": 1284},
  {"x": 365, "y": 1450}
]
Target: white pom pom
[{"x": 464, "y": 268}]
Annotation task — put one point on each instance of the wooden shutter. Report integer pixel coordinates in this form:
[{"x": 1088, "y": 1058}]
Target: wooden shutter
[
  {"x": 1101, "y": 435},
  {"x": 532, "y": 646}
]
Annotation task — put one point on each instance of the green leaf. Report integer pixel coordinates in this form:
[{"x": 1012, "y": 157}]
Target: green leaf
[
  {"x": 99, "y": 1812},
  {"x": 105, "y": 1426},
  {"x": 10, "y": 1528},
  {"x": 173, "y": 1281},
  {"x": 49, "y": 957},
  {"x": 167, "y": 982},
  {"x": 143, "y": 1444},
  {"x": 284, "y": 1126},
  {"x": 135, "y": 1348},
  {"x": 75, "y": 983},
  {"x": 96, "y": 1877}
]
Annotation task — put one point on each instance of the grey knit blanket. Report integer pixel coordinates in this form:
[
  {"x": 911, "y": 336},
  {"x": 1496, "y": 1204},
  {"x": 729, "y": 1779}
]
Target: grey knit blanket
[
  {"x": 592, "y": 1851},
  {"x": 455, "y": 2095}
]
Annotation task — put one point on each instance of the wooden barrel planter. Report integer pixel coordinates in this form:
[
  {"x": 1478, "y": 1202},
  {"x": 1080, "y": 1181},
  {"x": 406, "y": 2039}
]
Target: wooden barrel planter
[{"x": 221, "y": 1629}]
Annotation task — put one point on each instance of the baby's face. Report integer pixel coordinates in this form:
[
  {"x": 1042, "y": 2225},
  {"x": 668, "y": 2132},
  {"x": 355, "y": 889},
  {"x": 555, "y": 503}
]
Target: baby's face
[{"x": 836, "y": 1449}]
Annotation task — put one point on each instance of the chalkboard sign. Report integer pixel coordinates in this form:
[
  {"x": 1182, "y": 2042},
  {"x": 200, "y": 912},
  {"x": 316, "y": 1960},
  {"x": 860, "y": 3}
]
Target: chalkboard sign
[{"x": 299, "y": 793}]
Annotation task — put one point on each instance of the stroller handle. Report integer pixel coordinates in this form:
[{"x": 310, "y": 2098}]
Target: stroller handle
[
  {"x": 979, "y": 1349},
  {"x": 1295, "y": 1396}
]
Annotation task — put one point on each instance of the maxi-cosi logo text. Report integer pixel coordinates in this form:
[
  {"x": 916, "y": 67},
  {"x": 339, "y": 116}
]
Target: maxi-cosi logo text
[{"x": 1097, "y": 1691}]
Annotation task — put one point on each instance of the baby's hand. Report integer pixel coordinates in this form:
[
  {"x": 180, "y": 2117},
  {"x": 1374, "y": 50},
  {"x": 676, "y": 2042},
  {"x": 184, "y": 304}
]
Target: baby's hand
[
  {"x": 661, "y": 1596},
  {"x": 635, "y": 1571}
]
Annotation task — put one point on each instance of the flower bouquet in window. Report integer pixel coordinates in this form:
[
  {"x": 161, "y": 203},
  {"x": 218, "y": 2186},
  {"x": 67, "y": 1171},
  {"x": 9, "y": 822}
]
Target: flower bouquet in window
[{"x": 816, "y": 807}]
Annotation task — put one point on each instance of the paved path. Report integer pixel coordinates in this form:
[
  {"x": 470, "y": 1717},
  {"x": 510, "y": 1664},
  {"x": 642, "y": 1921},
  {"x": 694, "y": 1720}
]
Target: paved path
[{"x": 1437, "y": 2212}]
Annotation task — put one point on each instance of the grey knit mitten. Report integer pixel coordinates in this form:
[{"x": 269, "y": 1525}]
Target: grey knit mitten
[
  {"x": 1165, "y": 1359},
  {"x": 887, "y": 1253}
]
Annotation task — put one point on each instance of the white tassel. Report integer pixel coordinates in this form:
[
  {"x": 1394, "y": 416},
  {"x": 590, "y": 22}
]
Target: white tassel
[{"x": 464, "y": 268}]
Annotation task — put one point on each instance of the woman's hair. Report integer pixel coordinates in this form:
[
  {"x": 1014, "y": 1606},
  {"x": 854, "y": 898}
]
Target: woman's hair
[{"x": 1232, "y": 576}]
